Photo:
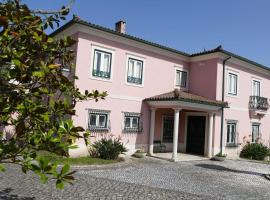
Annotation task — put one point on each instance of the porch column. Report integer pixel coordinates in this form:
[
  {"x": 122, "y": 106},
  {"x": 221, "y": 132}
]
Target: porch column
[
  {"x": 210, "y": 135},
  {"x": 152, "y": 131},
  {"x": 175, "y": 133}
]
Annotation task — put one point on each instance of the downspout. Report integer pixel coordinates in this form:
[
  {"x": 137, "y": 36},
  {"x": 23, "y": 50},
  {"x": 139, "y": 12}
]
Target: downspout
[{"x": 222, "y": 109}]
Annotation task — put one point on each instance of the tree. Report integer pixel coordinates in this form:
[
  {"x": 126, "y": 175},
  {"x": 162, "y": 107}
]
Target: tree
[{"x": 36, "y": 99}]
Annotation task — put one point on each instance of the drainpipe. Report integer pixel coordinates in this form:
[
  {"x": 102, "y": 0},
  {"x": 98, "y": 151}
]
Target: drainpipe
[{"x": 222, "y": 109}]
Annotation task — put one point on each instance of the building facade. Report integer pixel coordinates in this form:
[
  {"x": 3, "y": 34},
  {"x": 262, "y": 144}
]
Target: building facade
[{"x": 204, "y": 103}]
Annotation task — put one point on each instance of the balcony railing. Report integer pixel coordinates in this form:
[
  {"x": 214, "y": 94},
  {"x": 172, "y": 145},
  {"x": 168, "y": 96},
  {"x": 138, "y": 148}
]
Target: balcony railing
[{"x": 258, "y": 103}]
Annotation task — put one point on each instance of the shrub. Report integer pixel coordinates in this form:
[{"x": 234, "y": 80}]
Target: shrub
[
  {"x": 108, "y": 149},
  {"x": 255, "y": 151}
]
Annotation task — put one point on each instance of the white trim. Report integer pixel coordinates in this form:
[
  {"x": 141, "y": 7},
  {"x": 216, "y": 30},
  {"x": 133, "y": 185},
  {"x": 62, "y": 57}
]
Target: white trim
[
  {"x": 183, "y": 104},
  {"x": 109, "y": 50},
  {"x": 181, "y": 68},
  {"x": 128, "y": 56},
  {"x": 229, "y": 71},
  {"x": 187, "y": 114}
]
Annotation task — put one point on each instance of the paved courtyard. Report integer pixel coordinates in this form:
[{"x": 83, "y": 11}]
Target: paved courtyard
[{"x": 150, "y": 179}]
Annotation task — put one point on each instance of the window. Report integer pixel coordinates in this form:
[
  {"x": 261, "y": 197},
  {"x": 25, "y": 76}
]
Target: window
[
  {"x": 181, "y": 78},
  {"x": 168, "y": 128},
  {"x": 232, "y": 84},
  {"x": 102, "y": 64},
  {"x": 255, "y": 132},
  {"x": 135, "y": 71},
  {"x": 231, "y": 133},
  {"x": 98, "y": 120},
  {"x": 132, "y": 122},
  {"x": 256, "y": 88}
]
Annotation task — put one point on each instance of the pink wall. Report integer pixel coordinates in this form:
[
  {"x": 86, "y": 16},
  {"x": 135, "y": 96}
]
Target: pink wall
[{"x": 202, "y": 78}]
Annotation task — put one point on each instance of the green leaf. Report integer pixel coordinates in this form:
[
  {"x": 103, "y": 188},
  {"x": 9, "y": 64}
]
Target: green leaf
[
  {"x": 65, "y": 169},
  {"x": 2, "y": 168},
  {"x": 16, "y": 62},
  {"x": 59, "y": 184}
]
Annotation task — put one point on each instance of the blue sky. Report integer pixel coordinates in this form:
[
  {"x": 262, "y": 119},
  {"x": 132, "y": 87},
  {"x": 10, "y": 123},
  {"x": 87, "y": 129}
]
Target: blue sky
[{"x": 241, "y": 26}]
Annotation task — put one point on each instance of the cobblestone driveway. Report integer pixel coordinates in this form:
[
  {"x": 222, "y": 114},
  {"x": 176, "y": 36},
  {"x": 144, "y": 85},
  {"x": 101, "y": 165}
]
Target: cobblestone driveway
[{"x": 150, "y": 179}]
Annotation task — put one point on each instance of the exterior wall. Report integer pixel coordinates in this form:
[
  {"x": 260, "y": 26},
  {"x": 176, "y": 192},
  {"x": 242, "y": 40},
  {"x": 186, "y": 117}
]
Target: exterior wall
[
  {"x": 159, "y": 77},
  {"x": 239, "y": 105},
  {"x": 203, "y": 78}
]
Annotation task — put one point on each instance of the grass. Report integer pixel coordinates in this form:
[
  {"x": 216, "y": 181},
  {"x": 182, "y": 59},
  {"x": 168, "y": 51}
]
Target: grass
[{"x": 75, "y": 161}]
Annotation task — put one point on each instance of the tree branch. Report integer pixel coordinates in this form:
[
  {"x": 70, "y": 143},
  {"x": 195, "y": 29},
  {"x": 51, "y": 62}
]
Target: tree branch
[{"x": 45, "y": 12}]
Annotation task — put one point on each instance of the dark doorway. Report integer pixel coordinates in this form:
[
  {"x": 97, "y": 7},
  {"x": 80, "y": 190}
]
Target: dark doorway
[{"x": 196, "y": 135}]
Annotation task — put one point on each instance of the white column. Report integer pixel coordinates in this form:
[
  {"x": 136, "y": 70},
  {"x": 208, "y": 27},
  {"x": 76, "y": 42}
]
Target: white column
[
  {"x": 210, "y": 135},
  {"x": 152, "y": 131},
  {"x": 175, "y": 133}
]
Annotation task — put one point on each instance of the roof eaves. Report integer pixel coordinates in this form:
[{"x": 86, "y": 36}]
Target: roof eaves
[
  {"x": 224, "y": 104},
  {"x": 95, "y": 26}
]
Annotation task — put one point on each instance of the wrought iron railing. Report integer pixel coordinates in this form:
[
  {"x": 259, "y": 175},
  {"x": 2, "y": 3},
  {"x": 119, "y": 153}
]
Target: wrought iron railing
[
  {"x": 101, "y": 74},
  {"x": 135, "y": 80},
  {"x": 258, "y": 103}
]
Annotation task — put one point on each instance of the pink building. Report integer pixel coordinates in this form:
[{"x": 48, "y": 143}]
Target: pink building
[{"x": 162, "y": 99}]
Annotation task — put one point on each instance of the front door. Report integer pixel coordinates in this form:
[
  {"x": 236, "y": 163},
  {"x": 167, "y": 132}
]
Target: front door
[{"x": 195, "y": 135}]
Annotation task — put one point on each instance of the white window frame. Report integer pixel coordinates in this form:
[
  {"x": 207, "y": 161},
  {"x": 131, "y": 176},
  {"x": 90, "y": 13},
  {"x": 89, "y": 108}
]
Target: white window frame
[
  {"x": 237, "y": 83},
  {"x": 130, "y": 56},
  {"x": 131, "y": 116},
  {"x": 252, "y": 86},
  {"x": 104, "y": 49},
  {"x": 180, "y": 68},
  {"x": 98, "y": 113},
  {"x": 234, "y": 122}
]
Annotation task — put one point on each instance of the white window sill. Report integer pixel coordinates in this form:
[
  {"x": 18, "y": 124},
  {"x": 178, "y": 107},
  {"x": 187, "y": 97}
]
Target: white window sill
[
  {"x": 101, "y": 79},
  {"x": 134, "y": 85}
]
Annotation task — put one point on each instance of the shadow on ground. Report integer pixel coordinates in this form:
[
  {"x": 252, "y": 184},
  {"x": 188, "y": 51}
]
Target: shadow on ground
[
  {"x": 221, "y": 168},
  {"x": 5, "y": 195}
]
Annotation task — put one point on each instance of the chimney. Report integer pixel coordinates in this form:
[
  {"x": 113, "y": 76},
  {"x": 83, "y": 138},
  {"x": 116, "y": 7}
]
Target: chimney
[{"x": 120, "y": 26}]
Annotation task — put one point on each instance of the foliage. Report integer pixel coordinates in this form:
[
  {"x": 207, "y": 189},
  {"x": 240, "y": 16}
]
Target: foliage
[
  {"x": 108, "y": 148},
  {"x": 255, "y": 151},
  {"x": 74, "y": 161},
  {"x": 36, "y": 99}
]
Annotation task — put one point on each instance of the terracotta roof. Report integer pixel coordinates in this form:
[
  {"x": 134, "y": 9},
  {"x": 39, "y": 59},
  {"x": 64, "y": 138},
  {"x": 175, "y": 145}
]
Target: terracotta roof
[{"x": 187, "y": 97}]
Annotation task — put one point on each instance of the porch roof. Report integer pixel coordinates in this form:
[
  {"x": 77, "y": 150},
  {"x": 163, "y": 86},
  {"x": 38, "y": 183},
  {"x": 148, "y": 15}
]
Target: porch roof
[{"x": 178, "y": 95}]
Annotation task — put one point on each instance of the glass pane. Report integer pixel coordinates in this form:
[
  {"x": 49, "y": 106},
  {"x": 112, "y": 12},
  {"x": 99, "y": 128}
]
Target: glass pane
[
  {"x": 127, "y": 122},
  {"x": 106, "y": 63},
  {"x": 139, "y": 69},
  {"x": 93, "y": 119},
  {"x": 178, "y": 78},
  {"x": 255, "y": 132},
  {"x": 183, "y": 79},
  {"x": 228, "y": 133},
  {"x": 233, "y": 131},
  {"x": 256, "y": 88},
  {"x": 102, "y": 120},
  {"x": 97, "y": 60},
  {"x": 131, "y": 68},
  {"x": 135, "y": 122}
]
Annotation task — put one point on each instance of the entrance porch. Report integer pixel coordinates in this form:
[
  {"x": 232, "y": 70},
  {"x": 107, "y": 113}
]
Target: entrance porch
[{"x": 182, "y": 122}]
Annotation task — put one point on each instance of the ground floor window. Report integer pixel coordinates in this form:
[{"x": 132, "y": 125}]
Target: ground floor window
[
  {"x": 98, "y": 120},
  {"x": 255, "y": 132},
  {"x": 167, "y": 129},
  {"x": 132, "y": 122},
  {"x": 231, "y": 132}
]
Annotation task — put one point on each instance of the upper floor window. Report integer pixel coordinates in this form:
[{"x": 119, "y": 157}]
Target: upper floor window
[
  {"x": 256, "y": 88},
  {"x": 135, "y": 71},
  {"x": 181, "y": 78},
  {"x": 232, "y": 84},
  {"x": 102, "y": 64},
  {"x": 255, "y": 132},
  {"x": 98, "y": 120},
  {"x": 231, "y": 133},
  {"x": 132, "y": 122}
]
